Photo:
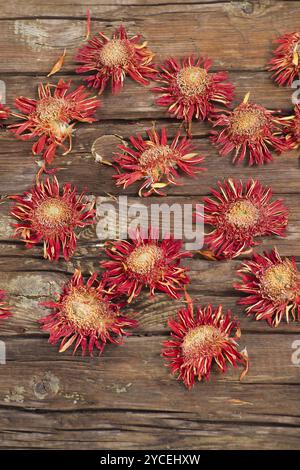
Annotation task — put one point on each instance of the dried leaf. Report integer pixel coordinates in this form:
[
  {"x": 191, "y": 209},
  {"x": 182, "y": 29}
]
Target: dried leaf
[
  {"x": 236, "y": 401},
  {"x": 88, "y": 24},
  {"x": 207, "y": 254},
  {"x": 247, "y": 96},
  {"x": 245, "y": 356},
  {"x": 58, "y": 65}
]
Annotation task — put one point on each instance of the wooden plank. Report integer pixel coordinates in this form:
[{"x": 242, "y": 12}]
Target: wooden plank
[
  {"x": 88, "y": 236},
  {"x": 137, "y": 102},
  {"x": 127, "y": 430},
  {"x": 30, "y": 281},
  {"x": 245, "y": 34},
  {"x": 90, "y": 241},
  {"x": 77, "y": 9},
  {"x": 18, "y": 168},
  {"x": 138, "y": 363}
]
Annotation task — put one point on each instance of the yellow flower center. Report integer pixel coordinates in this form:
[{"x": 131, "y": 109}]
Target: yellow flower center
[
  {"x": 247, "y": 121},
  {"x": 201, "y": 340},
  {"x": 53, "y": 213},
  {"x": 279, "y": 282},
  {"x": 242, "y": 214},
  {"x": 114, "y": 54},
  {"x": 143, "y": 259},
  {"x": 192, "y": 80},
  {"x": 51, "y": 109},
  {"x": 157, "y": 159},
  {"x": 52, "y": 115},
  {"x": 83, "y": 308}
]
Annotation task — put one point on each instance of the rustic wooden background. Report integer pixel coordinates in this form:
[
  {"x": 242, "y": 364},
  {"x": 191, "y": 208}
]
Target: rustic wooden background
[{"x": 127, "y": 399}]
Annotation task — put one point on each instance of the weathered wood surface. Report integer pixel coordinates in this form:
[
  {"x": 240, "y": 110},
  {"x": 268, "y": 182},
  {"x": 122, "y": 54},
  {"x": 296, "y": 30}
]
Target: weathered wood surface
[{"x": 127, "y": 399}]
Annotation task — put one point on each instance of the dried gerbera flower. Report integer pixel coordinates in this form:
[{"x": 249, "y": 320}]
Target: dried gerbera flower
[
  {"x": 146, "y": 261},
  {"x": 199, "y": 340},
  {"x": 273, "y": 287},
  {"x": 50, "y": 217},
  {"x": 292, "y": 129},
  {"x": 239, "y": 213},
  {"x": 285, "y": 63},
  {"x": 85, "y": 315},
  {"x": 249, "y": 130},
  {"x": 189, "y": 90},
  {"x": 155, "y": 162},
  {"x": 4, "y": 309},
  {"x": 115, "y": 58},
  {"x": 4, "y": 112},
  {"x": 53, "y": 116}
]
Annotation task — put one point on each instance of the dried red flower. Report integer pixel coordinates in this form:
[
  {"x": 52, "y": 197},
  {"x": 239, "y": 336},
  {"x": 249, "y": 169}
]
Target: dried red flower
[
  {"x": 240, "y": 213},
  {"x": 200, "y": 339},
  {"x": 189, "y": 90},
  {"x": 155, "y": 162},
  {"x": 145, "y": 261},
  {"x": 292, "y": 129},
  {"x": 50, "y": 216},
  {"x": 272, "y": 285},
  {"x": 285, "y": 63},
  {"x": 4, "y": 112},
  {"x": 250, "y": 130},
  {"x": 53, "y": 116},
  {"x": 115, "y": 58},
  {"x": 4, "y": 309},
  {"x": 85, "y": 315}
]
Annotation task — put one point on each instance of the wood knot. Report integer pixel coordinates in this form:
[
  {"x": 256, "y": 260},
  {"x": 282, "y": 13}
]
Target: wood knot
[{"x": 45, "y": 386}]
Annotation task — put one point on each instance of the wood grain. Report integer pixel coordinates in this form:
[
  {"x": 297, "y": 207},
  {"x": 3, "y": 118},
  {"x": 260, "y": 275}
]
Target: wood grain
[
  {"x": 234, "y": 36},
  {"x": 127, "y": 399}
]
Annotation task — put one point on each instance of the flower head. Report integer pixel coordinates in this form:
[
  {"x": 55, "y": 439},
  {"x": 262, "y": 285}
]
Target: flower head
[
  {"x": 250, "y": 130},
  {"x": 85, "y": 316},
  {"x": 272, "y": 285},
  {"x": 155, "y": 162},
  {"x": 189, "y": 90},
  {"x": 52, "y": 117},
  {"x": 240, "y": 213},
  {"x": 145, "y": 261},
  {"x": 47, "y": 214},
  {"x": 115, "y": 58},
  {"x": 285, "y": 64},
  {"x": 4, "y": 309},
  {"x": 200, "y": 339},
  {"x": 292, "y": 129},
  {"x": 4, "y": 112}
]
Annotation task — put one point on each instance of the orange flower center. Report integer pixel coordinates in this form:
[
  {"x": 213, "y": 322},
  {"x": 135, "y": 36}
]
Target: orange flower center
[
  {"x": 203, "y": 340},
  {"x": 83, "y": 308},
  {"x": 114, "y": 53},
  {"x": 242, "y": 214},
  {"x": 280, "y": 282},
  {"x": 248, "y": 121},
  {"x": 192, "y": 80},
  {"x": 143, "y": 259},
  {"x": 156, "y": 160},
  {"x": 53, "y": 213}
]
